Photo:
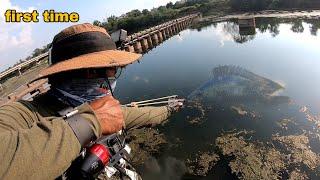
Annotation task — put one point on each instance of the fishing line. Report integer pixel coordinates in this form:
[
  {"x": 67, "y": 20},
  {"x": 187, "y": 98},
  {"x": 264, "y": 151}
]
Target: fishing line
[
  {"x": 110, "y": 86},
  {"x": 119, "y": 73}
]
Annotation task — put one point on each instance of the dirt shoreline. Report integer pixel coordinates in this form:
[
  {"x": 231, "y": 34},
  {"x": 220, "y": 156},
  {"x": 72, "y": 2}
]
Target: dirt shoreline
[{"x": 309, "y": 14}]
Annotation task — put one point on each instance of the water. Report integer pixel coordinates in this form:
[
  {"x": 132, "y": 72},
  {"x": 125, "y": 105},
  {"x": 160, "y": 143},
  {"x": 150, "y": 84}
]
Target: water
[{"x": 285, "y": 51}]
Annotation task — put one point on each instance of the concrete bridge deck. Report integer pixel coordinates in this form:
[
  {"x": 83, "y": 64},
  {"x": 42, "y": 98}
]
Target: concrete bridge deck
[
  {"x": 17, "y": 69},
  {"x": 145, "y": 40}
]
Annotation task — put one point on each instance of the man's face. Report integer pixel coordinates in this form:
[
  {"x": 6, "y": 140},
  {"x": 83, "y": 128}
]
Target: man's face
[
  {"x": 84, "y": 74},
  {"x": 101, "y": 73},
  {"x": 111, "y": 72}
]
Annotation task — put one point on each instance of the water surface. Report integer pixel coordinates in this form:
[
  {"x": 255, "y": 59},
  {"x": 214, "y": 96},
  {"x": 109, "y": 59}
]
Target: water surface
[{"x": 285, "y": 51}]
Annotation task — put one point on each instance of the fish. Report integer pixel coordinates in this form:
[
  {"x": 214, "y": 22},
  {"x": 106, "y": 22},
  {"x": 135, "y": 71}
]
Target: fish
[{"x": 229, "y": 82}]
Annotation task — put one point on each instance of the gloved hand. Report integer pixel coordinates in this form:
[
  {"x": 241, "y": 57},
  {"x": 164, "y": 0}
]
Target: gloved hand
[{"x": 109, "y": 114}]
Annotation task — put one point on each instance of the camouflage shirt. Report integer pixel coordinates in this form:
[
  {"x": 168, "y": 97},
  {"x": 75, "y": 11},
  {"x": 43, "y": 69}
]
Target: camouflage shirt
[{"x": 37, "y": 143}]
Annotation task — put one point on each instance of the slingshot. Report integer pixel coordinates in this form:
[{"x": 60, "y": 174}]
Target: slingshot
[{"x": 171, "y": 101}]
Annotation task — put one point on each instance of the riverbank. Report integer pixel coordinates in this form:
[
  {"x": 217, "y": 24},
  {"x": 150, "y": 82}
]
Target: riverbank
[{"x": 307, "y": 14}]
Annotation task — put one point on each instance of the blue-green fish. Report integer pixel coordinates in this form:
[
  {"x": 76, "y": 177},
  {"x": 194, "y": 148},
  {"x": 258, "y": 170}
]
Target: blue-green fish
[{"x": 233, "y": 82}]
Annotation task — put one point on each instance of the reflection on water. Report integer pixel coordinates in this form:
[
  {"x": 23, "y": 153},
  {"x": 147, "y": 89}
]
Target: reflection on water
[
  {"x": 263, "y": 25},
  {"x": 276, "y": 134}
]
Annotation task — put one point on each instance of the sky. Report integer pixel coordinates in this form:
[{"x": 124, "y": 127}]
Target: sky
[{"x": 18, "y": 40}]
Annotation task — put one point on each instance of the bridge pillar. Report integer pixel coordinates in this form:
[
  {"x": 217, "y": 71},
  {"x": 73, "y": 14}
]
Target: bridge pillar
[
  {"x": 164, "y": 34},
  {"x": 173, "y": 30},
  {"x": 144, "y": 44},
  {"x": 155, "y": 40},
  {"x": 1, "y": 87},
  {"x": 160, "y": 37},
  {"x": 18, "y": 73},
  {"x": 177, "y": 28},
  {"x": 183, "y": 25},
  {"x": 137, "y": 47},
  {"x": 167, "y": 32},
  {"x": 180, "y": 26},
  {"x": 129, "y": 48},
  {"x": 149, "y": 40}
]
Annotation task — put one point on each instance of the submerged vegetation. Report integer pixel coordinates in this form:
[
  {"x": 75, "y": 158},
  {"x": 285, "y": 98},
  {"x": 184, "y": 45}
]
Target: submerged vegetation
[
  {"x": 288, "y": 150},
  {"x": 202, "y": 164},
  {"x": 253, "y": 160},
  {"x": 265, "y": 160}
]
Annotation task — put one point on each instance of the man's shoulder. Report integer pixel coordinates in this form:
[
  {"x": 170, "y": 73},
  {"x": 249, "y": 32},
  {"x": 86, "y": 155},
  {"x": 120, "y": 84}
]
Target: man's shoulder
[{"x": 47, "y": 104}]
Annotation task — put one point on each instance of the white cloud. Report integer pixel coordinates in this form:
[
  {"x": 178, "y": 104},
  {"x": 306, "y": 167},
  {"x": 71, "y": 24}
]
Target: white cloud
[
  {"x": 148, "y": 4},
  {"x": 157, "y": 3},
  {"x": 15, "y": 37},
  {"x": 223, "y": 35},
  {"x": 14, "y": 34},
  {"x": 182, "y": 35}
]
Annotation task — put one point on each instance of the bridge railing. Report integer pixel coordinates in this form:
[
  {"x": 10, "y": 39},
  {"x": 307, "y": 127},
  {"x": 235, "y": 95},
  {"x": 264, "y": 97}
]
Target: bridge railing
[
  {"x": 158, "y": 27},
  {"x": 22, "y": 65},
  {"x": 130, "y": 39}
]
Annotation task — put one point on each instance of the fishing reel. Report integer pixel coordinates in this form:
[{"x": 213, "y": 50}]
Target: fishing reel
[{"x": 108, "y": 155}]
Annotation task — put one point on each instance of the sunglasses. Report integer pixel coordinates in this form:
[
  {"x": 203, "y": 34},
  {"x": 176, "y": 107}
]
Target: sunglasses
[
  {"x": 100, "y": 73},
  {"x": 89, "y": 74}
]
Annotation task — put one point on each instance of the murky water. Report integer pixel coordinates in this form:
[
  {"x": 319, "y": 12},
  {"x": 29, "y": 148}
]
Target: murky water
[{"x": 284, "y": 51}]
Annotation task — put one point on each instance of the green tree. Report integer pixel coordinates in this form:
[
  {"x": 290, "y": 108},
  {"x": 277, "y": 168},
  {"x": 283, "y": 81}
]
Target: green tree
[
  {"x": 134, "y": 13},
  {"x": 297, "y": 26},
  {"x": 145, "y": 12},
  {"x": 36, "y": 52},
  {"x": 169, "y": 5},
  {"x": 96, "y": 23},
  {"x": 112, "y": 23}
]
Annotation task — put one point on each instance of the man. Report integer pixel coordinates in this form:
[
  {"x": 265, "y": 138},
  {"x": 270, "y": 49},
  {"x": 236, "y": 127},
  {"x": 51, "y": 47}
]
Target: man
[{"x": 40, "y": 139}]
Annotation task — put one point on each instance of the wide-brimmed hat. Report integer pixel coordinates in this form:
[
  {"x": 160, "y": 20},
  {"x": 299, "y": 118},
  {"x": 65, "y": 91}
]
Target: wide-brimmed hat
[{"x": 84, "y": 46}]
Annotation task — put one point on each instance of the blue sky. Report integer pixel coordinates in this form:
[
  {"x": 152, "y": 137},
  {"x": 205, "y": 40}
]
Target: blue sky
[{"x": 17, "y": 40}]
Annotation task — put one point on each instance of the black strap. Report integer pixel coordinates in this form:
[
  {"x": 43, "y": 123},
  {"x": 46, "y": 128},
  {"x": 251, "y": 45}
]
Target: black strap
[
  {"x": 80, "y": 44},
  {"x": 82, "y": 129}
]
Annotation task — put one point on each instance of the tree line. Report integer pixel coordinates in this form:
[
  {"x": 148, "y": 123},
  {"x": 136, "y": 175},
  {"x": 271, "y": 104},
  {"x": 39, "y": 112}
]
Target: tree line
[
  {"x": 257, "y": 5},
  {"x": 136, "y": 20}
]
